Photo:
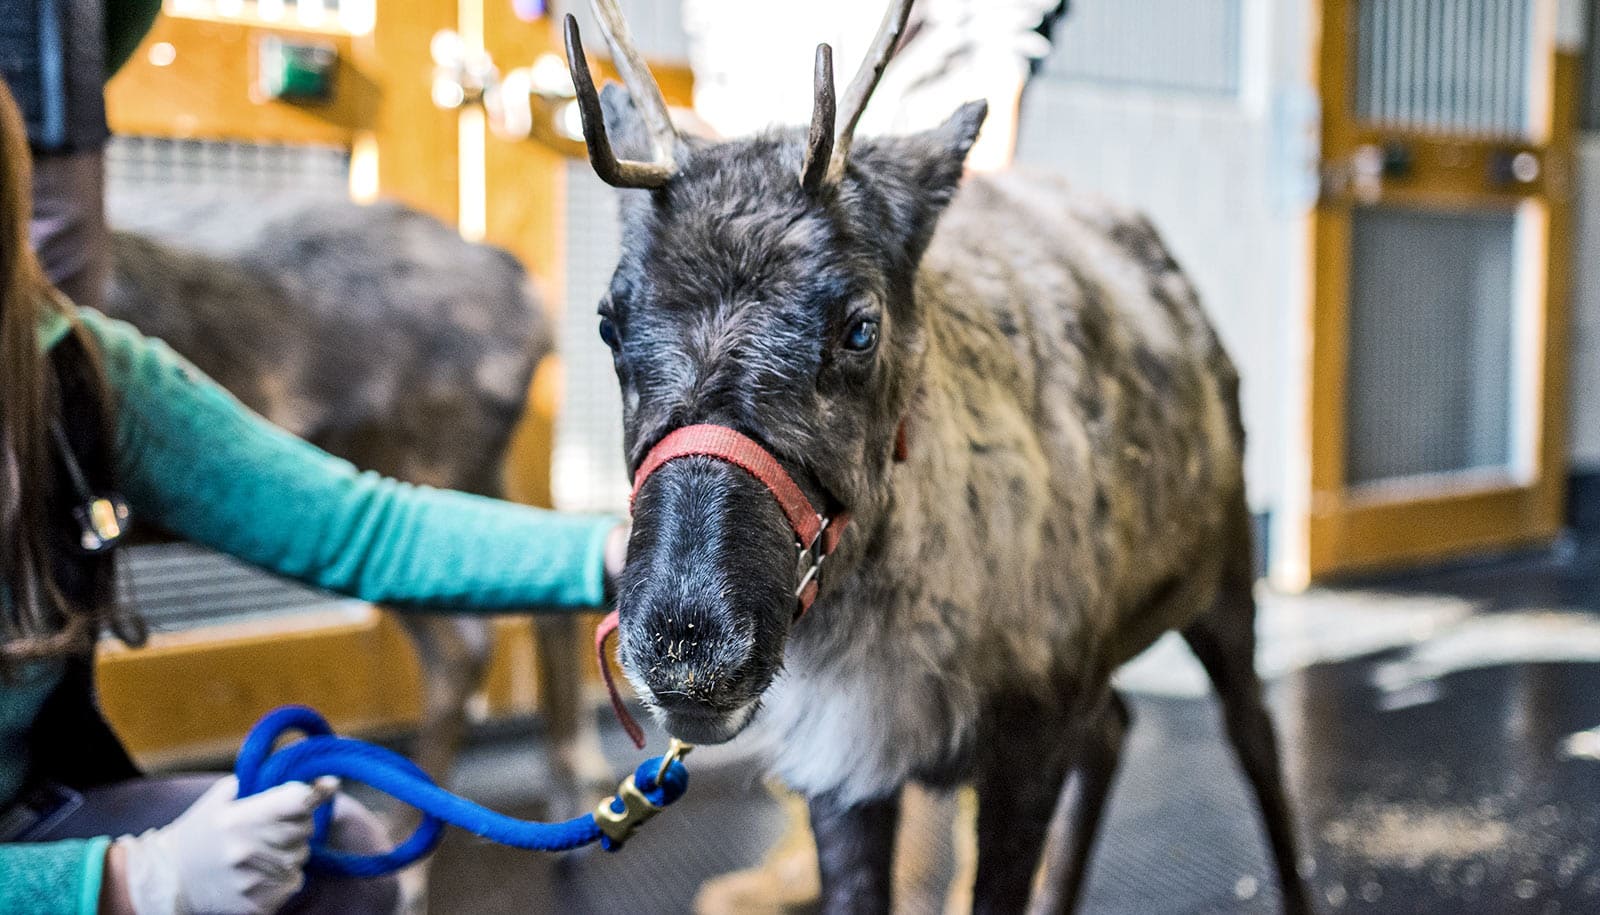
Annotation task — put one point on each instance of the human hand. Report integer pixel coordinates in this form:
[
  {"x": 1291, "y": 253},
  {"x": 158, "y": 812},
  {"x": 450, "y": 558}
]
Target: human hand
[
  {"x": 225, "y": 854},
  {"x": 616, "y": 553}
]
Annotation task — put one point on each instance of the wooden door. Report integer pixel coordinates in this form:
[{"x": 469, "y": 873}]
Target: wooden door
[{"x": 1438, "y": 326}]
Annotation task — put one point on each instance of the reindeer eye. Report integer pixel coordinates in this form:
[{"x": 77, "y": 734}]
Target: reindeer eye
[
  {"x": 608, "y": 332},
  {"x": 863, "y": 336}
]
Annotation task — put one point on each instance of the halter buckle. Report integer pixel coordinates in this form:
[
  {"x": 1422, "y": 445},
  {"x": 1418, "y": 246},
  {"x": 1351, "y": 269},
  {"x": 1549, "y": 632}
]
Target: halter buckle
[{"x": 809, "y": 560}]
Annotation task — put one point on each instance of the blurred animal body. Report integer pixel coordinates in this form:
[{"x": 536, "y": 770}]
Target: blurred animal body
[
  {"x": 378, "y": 334},
  {"x": 1070, "y": 486}
]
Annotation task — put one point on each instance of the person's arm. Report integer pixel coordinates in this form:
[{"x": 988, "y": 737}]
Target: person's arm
[
  {"x": 52, "y": 878},
  {"x": 194, "y": 461},
  {"x": 127, "y": 22}
]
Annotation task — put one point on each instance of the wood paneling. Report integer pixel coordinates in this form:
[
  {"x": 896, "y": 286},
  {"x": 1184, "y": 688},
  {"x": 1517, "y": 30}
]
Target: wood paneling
[
  {"x": 415, "y": 140},
  {"x": 192, "y": 695},
  {"x": 524, "y": 180},
  {"x": 206, "y": 92}
]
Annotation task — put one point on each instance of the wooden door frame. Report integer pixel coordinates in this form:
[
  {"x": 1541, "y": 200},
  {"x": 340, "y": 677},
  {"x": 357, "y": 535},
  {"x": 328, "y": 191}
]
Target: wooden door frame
[{"x": 1337, "y": 530}]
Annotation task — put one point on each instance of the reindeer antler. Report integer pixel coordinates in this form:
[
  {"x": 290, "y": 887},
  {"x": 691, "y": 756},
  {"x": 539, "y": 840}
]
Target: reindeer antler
[
  {"x": 819, "y": 144},
  {"x": 647, "y": 100},
  {"x": 866, "y": 80}
]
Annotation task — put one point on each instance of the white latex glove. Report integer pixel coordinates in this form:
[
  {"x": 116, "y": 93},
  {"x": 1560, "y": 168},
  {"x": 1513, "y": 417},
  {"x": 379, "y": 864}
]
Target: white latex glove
[{"x": 226, "y": 855}]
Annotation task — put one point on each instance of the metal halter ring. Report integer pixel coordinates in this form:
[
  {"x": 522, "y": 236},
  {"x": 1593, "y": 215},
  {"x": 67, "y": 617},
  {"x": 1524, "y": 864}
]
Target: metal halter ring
[{"x": 809, "y": 561}]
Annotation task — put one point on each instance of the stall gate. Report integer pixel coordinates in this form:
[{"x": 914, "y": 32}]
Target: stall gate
[
  {"x": 1440, "y": 333},
  {"x": 1373, "y": 198}
]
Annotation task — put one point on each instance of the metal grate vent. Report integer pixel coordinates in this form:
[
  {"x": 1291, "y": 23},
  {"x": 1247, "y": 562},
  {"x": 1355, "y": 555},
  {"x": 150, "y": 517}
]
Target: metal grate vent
[
  {"x": 143, "y": 173},
  {"x": 1432, "y": 356},
  {"x": 182, "y": 586},
  {"x": 1591, "y": 69},
  {"x": 656, "y": 25},
  {"x": 1191, "y": 46},
  {"x": 134, "y": 160},
  {"x": 1461, "y": 67}
]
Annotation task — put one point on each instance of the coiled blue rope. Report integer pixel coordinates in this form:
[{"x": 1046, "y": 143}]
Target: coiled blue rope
[{"x": 323, "y": 753}]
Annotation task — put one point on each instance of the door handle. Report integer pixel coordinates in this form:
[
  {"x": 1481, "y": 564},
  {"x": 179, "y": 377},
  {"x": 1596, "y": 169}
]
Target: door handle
[{"x": 1514, "y": 168}]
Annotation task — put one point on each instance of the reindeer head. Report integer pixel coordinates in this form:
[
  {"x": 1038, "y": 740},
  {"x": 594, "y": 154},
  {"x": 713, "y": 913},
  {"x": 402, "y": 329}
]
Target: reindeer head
[{"x": 765, "y": 285}]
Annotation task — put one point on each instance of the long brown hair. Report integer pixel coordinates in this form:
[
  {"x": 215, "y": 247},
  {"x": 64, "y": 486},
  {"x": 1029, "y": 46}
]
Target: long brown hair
[{"x": 38, "y": 618}]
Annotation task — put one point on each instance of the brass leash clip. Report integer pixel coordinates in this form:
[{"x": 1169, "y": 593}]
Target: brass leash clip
[
  {"x": 618, "y": 825},
  {"x": 676, "y": 750}
]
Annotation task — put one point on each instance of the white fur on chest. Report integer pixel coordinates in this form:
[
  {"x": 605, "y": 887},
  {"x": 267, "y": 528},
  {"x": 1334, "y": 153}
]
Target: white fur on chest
[{"x": 860, "y": 736}]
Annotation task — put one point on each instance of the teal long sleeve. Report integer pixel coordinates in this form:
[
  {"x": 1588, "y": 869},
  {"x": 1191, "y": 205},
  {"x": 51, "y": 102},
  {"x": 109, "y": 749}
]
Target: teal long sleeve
[
  {"x": 196, "y": 462},
  {"x": 52, "y": 878}
]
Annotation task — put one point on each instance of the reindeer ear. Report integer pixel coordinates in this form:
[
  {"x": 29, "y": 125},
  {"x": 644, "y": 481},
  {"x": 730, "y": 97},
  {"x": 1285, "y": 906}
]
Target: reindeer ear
[
  {"x": 917, "y": 175},
  {"x": 630, "y": 138},
  {"x": 946, "y": 146}
]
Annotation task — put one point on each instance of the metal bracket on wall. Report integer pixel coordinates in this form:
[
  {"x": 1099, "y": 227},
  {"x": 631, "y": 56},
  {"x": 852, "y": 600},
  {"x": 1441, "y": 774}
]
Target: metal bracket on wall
[{"x": 535, "y": 102}]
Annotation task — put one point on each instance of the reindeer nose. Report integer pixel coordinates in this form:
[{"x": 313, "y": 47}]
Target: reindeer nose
[
  {"x": 680, "y": 687},
  {"x": 689, "y": 687}
]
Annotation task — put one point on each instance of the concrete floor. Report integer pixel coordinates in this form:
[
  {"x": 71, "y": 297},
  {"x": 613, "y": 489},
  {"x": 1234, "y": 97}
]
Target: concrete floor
[{"x": 1437, "y": 732}]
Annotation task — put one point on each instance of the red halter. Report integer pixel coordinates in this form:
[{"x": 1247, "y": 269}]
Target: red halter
[{"x": 816, "y": 535}]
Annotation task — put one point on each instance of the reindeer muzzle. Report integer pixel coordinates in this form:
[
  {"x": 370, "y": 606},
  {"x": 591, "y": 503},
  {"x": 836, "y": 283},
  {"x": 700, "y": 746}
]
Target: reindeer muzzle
[{"x": 816, "y": 535}]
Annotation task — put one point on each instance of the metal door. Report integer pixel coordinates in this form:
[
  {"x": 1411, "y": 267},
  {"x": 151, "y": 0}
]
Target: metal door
[{"x": 1438, "y": 334}]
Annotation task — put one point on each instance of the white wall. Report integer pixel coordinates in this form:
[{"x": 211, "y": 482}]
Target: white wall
[{"x": 1580, "y": 19}]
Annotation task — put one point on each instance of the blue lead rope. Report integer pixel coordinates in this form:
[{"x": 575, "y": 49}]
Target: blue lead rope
[{"x": 323, "y": 753}]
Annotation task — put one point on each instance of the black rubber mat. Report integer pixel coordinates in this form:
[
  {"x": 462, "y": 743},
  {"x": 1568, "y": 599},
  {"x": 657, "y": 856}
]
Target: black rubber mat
[
  {"x": 1181, "y": 837},
  {"x": 1462, "y": 805}
]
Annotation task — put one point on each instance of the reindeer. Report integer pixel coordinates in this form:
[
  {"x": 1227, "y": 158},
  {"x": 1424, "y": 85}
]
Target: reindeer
[
  {"x": 377, "y": 333},
  {"x": 980, "y": 427}
]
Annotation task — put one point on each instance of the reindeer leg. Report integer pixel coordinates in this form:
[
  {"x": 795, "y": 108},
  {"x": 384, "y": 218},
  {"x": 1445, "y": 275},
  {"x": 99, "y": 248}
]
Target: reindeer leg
[
  {"x": 1081, "y": 808},
  {"x": 1225, "y": 642},
  {"x": 454, "y": 654},
  {"x": 855, "y": 853},
  {"x": 1021, "y": 769},
  {"x": 580, "y": 773}
]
